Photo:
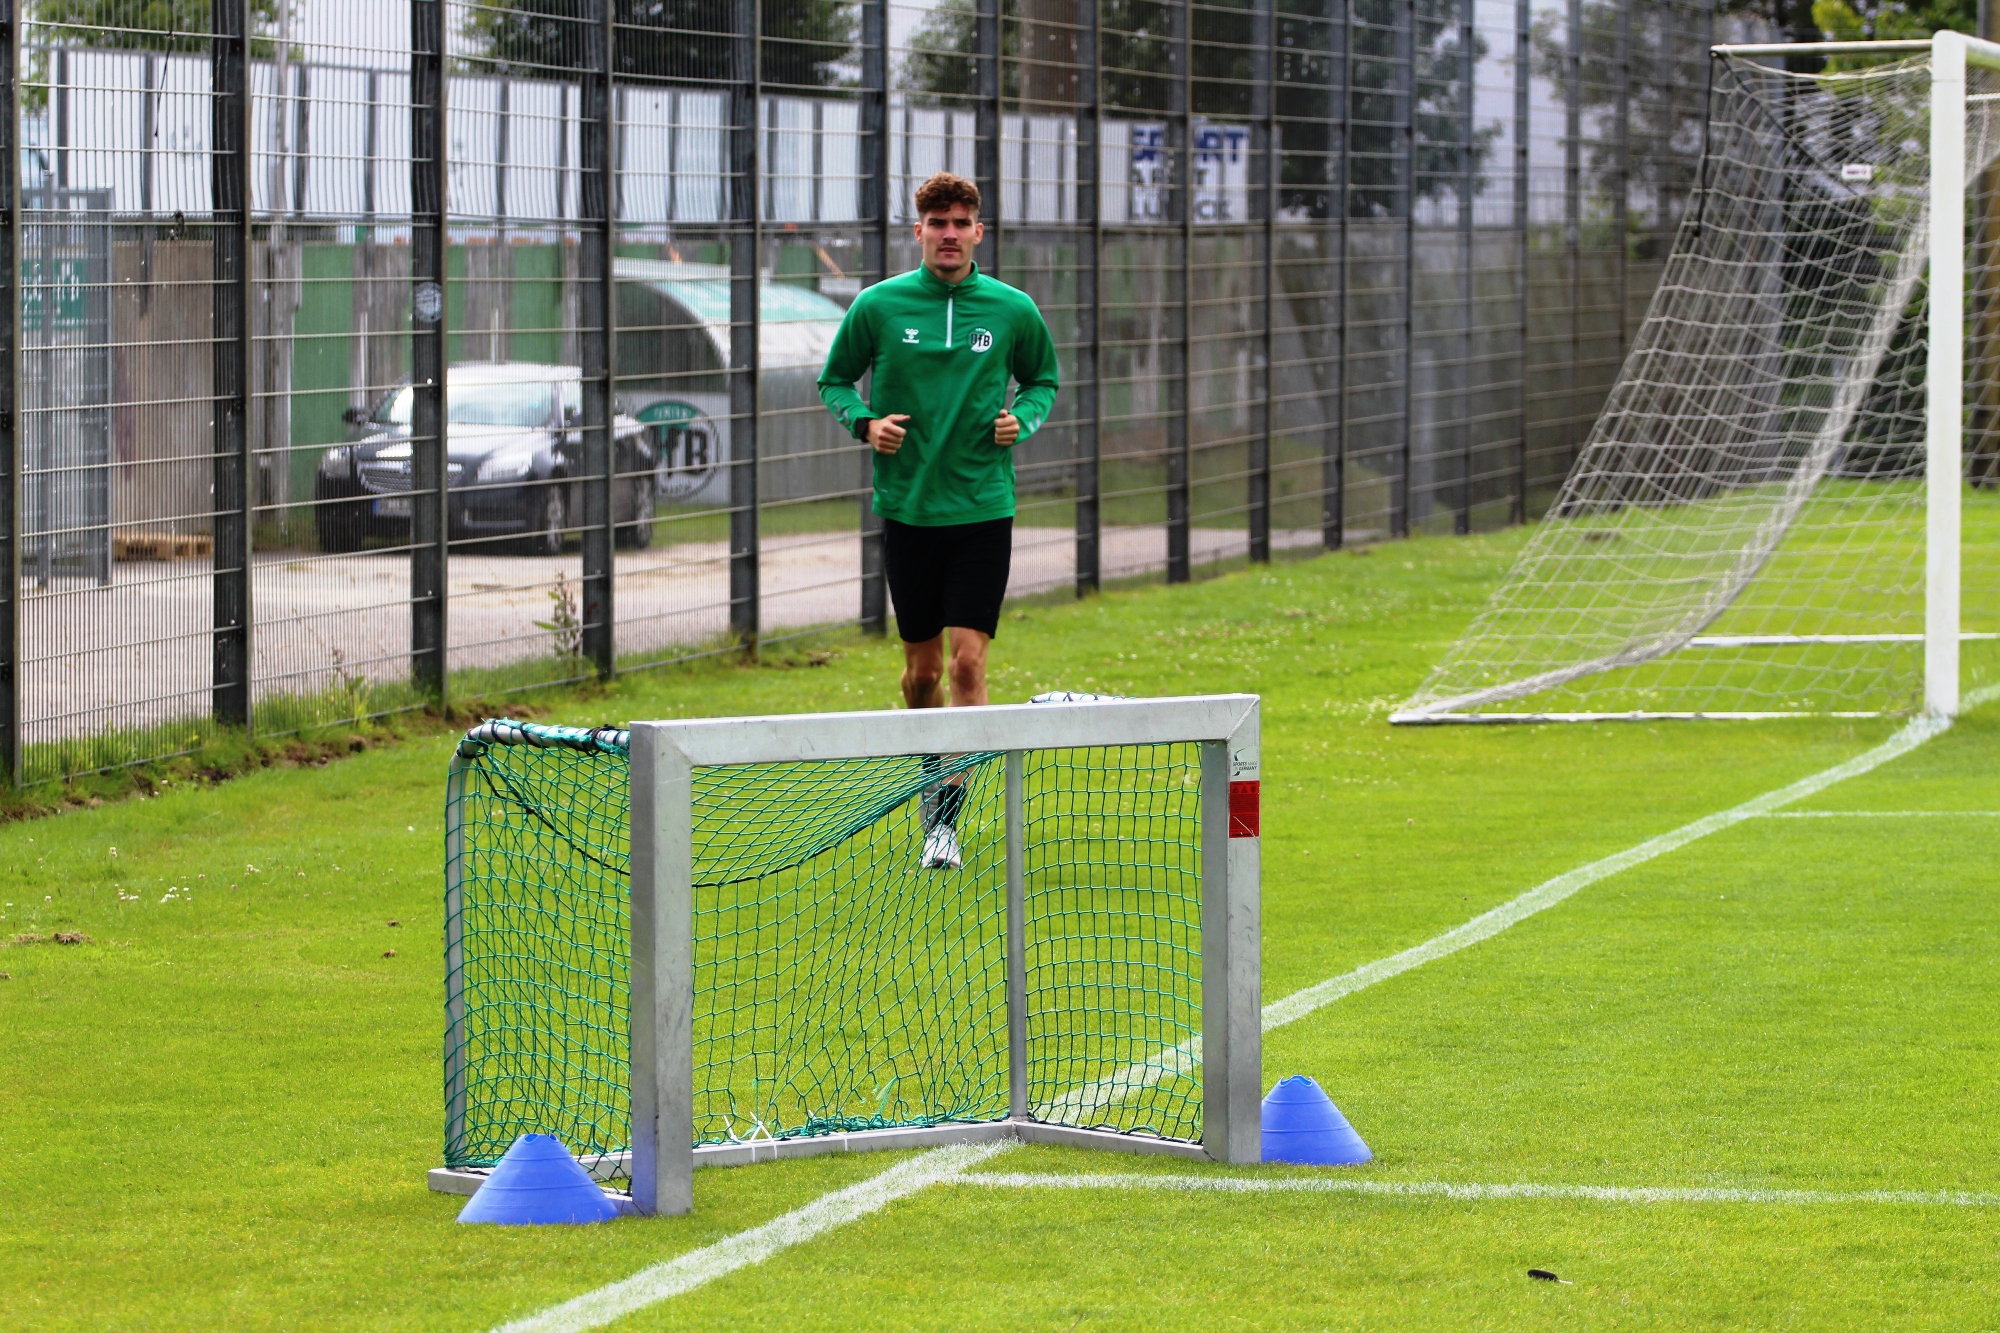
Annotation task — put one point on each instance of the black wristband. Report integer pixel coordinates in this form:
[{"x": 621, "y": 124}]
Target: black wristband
[{"x": 861, "y": 428}]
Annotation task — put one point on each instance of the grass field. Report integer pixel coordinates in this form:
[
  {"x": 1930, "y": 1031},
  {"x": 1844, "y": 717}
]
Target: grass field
[
  {"x": 218, "y": 1113},
  {"x": 1850, "y": 562}
]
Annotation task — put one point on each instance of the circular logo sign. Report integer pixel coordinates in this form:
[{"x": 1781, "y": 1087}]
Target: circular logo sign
[
  {"x": 429, "y": 303},
  {"x": 981, "y": 340},
  {"x": 686, "y": 444}
]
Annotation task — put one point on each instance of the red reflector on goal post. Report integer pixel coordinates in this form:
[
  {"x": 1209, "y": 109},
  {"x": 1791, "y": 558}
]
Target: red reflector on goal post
[{"x": 1243, "y": 809}]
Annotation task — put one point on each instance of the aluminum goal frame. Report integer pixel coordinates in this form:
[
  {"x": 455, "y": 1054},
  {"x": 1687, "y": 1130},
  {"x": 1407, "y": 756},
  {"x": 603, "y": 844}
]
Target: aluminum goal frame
[{"x": 663, "y": 757}]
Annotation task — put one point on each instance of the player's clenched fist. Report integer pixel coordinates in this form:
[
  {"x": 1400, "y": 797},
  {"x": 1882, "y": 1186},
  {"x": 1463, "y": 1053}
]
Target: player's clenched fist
[
  {"x": 886, "y": 433},
  {"x": 1006, "y": 430}
]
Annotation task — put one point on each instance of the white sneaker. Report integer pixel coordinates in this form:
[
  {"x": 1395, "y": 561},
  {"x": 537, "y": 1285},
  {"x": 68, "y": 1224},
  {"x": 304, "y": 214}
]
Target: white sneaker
[{"x": 941, "y": 848}]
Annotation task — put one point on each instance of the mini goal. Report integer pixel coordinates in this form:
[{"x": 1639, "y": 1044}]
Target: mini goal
[
  {"x": 1790, "y": 503},
  {"x": 717, "y": 942}
]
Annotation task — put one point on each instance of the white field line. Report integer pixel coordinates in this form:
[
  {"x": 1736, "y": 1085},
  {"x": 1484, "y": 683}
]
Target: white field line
[
  {"x": 594, "y": 1309},
  {"x": 662, "y": 1281},
  {"x": 1438, "y": 1189},
  {"x": 1884, "y": 814},
  {"x": 1179, "y": 1059}
]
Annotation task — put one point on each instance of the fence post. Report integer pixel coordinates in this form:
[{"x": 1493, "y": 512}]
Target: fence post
[
  {"x": 1333, "y": 448},
  {"x": 11, "y": 433},
  {"x": 1573, "y": 215},
  {"x": 597, "y": 340},
  {"x": 1090, "y": 305},
  {"x": 1264, "y": 157},
  {"x": 1523, "y": 34},
  {"x": 986, "y": 130},
  {"x": 1468, "y": 179},
  {"x": 229, "y": 168},
  {"x": 1403, "y": 501},
  {"x": 1180, "y": 157},
  {"x": 1621, "y": 202},
  {"x": 875, "y": 147},
  {"x": 430, "y": 501},
  {"x": 746, "y": 105}
]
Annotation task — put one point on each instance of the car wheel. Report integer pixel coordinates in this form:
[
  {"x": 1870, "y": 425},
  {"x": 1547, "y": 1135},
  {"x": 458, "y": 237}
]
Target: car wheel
[
  {"x": 638, "y": 535},
  {"x": 550, "y": 530},
  {"x": 341, "y": 522}
]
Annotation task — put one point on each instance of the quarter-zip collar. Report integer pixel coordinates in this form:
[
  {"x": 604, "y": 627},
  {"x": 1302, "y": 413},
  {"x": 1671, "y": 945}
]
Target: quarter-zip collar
[{"x": 937, "y": 286}]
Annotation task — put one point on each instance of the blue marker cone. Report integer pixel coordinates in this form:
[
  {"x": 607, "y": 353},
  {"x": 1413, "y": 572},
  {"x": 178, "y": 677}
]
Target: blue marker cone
[
  {"x": 1303, "y": 1126},
  {"x": 538, "y": 1182}
]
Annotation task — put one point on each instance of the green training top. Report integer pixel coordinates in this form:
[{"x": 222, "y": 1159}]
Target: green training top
[{"x": 943, "y": 354}]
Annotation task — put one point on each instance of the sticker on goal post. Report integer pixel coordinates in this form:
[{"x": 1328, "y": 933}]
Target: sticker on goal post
[
  {"x": 1857, "y": 171},
  {"x": 1243, "y": 817}
]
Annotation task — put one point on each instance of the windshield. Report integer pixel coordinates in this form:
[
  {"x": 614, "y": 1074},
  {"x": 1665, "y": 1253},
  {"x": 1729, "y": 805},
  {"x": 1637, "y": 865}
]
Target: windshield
[{"x": 479, "y": 405}]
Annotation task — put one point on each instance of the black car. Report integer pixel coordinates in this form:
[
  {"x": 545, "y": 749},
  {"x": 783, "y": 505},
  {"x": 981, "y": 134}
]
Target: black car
[{"x": 514, "y": 446}]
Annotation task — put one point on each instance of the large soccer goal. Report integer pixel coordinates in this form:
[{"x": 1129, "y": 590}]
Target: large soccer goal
[
  {"x": 718, "y": 942},
  {"x": 1788, "y": 505}
]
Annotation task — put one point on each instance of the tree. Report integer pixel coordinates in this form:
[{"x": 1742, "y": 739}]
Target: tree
[
  {"x": 140, "y": 25},
  {"x": 1136, "y": 42},
  {"x": 1662, "y": 74},
  {"x": 1139, "y": 44},
  {"x": 807, "y": 43},
  {"x": 176, "y": 27},
  {"x": 944, "y": 54},
  {"x": 1881, "y": 20},
  {"x": 1447, "y": 147},
  {"x": 1660, "y": 77}
]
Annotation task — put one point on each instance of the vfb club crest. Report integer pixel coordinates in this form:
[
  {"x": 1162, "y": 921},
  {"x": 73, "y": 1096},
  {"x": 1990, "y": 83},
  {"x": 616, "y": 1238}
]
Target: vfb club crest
[
  {"x": 686, "y": 448},
  {"x": 982, "y": 339}
]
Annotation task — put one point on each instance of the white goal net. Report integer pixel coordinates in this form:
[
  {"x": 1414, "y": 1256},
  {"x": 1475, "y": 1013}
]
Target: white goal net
[{"x": 1747, "y": 530}]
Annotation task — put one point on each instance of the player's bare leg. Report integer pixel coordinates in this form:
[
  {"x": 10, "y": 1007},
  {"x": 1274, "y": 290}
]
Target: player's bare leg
[
  {"x": 968, "y": 667},
  {"x": 925, "y": 673}
]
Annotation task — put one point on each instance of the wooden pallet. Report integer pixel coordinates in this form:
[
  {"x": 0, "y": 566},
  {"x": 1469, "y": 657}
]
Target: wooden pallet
[{"x": 160, "y": 546}]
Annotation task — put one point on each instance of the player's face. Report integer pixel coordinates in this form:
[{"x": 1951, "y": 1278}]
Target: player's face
[{"x": 949, "y": 236}]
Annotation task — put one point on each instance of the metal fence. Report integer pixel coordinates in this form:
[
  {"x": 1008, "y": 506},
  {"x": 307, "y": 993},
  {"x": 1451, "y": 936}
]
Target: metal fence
[{"x": 365, "y": 353}]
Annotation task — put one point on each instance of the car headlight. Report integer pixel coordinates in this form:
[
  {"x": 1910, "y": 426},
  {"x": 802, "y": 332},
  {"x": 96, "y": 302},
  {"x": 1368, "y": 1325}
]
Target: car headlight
[
  {"x": 508, "y": 465},
  {"x": 334, "y": 463}
]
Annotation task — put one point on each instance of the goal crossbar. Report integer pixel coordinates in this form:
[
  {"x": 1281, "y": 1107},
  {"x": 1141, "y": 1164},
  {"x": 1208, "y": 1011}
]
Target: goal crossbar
[{"x": 785, "y": 738}]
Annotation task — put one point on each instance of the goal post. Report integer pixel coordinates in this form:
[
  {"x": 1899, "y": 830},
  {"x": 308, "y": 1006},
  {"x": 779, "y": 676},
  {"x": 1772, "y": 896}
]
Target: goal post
[
  {"x": 710, "y": 942},
  {"x": 1777, "y": 514},
  {"x": 1944, "y": 408}
]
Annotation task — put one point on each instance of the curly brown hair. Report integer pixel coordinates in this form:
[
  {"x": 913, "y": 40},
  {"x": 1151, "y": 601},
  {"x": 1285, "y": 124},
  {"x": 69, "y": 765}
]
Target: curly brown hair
[{"x": 944, "y": 190}]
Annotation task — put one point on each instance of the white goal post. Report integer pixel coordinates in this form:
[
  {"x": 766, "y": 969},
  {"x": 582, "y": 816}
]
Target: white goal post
[
  {"x": 1771, "y": 378},
  {"x": 801, "y": 983}
]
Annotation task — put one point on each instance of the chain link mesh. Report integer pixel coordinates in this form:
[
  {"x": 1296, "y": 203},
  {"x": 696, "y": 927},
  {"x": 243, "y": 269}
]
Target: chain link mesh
[
  {"x": 838, "y": 985},
  {"x": 537, "y": 860},
  {"x": 1114, "y": 937}
]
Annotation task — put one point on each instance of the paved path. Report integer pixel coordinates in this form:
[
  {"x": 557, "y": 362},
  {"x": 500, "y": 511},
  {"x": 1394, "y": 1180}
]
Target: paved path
[{"x": 138, "y": 652}]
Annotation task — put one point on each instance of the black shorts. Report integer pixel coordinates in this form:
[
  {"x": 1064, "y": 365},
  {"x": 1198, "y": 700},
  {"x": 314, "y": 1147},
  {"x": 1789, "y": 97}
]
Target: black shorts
[{"x": 953, "y": 575}]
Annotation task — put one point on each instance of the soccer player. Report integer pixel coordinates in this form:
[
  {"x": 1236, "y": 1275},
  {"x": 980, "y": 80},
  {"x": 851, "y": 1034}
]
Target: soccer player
[{"x": 939, "y": 345}]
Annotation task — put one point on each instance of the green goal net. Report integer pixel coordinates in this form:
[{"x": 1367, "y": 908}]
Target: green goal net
[{"x": 840, "y": 984}]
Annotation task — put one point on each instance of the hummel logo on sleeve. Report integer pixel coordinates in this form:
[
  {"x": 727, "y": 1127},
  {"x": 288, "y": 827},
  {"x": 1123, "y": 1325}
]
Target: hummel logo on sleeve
[{"x": 909, "y": 335}]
